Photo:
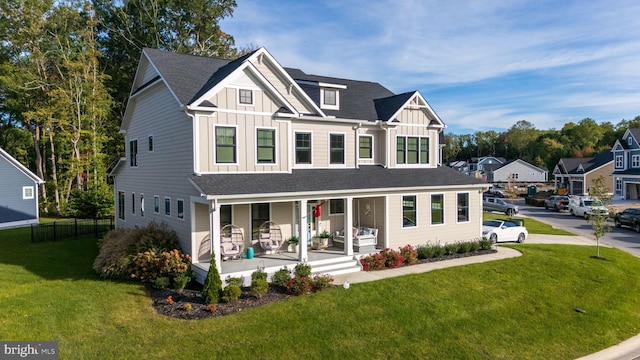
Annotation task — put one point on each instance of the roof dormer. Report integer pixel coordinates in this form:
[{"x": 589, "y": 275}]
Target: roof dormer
[{"x": 330, "y": 95}]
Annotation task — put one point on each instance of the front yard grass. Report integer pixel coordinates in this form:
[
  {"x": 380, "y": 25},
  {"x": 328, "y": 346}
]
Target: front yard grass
[
  {"x": 533, "y": 226},
  {"x": 522, "y": 308}
]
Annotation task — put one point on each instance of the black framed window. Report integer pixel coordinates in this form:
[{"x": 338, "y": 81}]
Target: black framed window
[
  {"x": 245, "y": 96},
  {"x": 303, "y": 148},
  {"x": 437, "y": 209},
  {"x": 409, "y": 211},
  {"x": 225, "y": 144},
  {"x": 121, "y": 205},
  {"x": 225, "y": 215},
  {"x": 365, "y": 147},
  {"x": 266, "y": 146},
  {"x": 336, "y": 148},
  {"x": 259, "y": 214},
  {"x": 463, "y": 207},
  {"x": 336, "y": 206},
  {"x": 133, "y": 152}
]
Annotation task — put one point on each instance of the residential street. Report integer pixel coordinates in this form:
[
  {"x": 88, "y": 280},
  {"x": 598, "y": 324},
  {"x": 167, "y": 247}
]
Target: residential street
[{"x": 624, "y": 238}]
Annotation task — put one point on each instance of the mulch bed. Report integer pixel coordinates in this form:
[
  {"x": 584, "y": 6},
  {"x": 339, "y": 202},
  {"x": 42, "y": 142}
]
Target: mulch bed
[{"x": 200, "y": 310}]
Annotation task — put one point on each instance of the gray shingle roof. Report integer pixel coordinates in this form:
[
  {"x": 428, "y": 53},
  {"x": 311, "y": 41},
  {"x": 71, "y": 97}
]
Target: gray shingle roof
[
  {"x": 388, "y": 106},
  {"x": 327, "y": 180}
]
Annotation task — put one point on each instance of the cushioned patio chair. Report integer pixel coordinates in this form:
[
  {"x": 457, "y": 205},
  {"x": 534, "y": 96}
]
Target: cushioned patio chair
[
  {"x": 270, "y": 237},
  {"x": 231, "y": 242}
]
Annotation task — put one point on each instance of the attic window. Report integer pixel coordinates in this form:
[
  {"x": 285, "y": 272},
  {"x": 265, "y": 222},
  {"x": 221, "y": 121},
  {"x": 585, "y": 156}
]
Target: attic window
[
  {"x": 629, "y": 140},
  {"x": 245, "y": 96},
  {"x": 330, "y": 99}
]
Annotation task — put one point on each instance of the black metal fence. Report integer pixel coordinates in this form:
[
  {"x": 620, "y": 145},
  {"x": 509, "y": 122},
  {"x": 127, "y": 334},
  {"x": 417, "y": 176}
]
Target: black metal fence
[{"x": 69, "y": 229}]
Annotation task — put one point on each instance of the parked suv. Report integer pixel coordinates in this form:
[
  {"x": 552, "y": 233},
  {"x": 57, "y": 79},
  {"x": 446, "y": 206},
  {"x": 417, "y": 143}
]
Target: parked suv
[
  {"x": 557, "y": 203},
  {"x": 496, "y": 204},
  {"x": 628, "y": 217}
]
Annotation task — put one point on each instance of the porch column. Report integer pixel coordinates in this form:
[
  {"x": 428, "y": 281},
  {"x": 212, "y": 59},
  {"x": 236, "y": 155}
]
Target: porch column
[
  {"x": 304, "y": 232},
  {"x": 214, "y": 233},
  {"x": 348, "y": 226}
]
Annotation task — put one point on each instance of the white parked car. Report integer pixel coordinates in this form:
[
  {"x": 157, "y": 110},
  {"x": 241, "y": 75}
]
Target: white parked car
[{"x": 503, "y": 230}]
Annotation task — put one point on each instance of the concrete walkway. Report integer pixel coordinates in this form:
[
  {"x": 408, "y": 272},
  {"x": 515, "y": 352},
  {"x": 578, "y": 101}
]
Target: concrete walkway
[{"x": 626, "y": 350}]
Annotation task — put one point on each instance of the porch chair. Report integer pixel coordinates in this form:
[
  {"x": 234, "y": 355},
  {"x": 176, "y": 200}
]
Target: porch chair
[
  {"x": 231, "y": 242},
  {"x": 270, "y": 237}
]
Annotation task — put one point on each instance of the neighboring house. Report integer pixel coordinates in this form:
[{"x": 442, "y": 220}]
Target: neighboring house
[
  {"x": 462, "y": 166},
  {"x": 480, "y": 163},
  {"x": 576, "y": 174},
  {"x": 626, "y": 172},
  {"x": 211, "y": 142},
  {"x": 18, "y": 193},
  {"x": 519, "y": 171}
]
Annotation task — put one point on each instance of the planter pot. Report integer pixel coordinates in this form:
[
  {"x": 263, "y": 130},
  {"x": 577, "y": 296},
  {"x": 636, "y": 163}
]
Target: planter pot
[
  {"x": 320, "y": 243},
  {"x": 293, "y": 248}
]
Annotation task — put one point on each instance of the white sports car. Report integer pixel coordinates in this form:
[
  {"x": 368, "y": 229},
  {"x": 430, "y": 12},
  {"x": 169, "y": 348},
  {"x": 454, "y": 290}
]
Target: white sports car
[{"x": 503, "y": 230}]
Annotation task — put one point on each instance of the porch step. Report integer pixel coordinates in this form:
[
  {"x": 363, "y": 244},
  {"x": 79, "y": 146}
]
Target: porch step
[{"x": 336, "y": 266}]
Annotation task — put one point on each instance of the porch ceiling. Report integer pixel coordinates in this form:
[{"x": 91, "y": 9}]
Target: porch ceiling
[{"x": 322, "y": 180}]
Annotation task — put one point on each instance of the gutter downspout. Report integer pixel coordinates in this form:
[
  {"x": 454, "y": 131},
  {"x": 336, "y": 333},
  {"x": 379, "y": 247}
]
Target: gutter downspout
[
  {"x": 384, "y": 126},
  {"x": 357, "y": 146}
]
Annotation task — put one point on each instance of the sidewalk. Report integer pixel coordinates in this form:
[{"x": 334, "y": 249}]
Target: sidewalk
[{"x": 626, "y": 350}]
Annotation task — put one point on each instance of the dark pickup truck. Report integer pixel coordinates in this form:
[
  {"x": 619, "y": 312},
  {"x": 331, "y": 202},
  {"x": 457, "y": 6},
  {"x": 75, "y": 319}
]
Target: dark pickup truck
[
  {"x": 628, "y": 217},
  {"x": 557, "y": 203}
]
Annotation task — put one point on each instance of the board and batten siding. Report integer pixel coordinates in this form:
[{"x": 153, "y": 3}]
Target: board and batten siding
[
  {"x": 162, "y": 172},
  {"x": 424, "y": 232},
  {"x": 416, "y": 131},
  {"x": 11, "y": 182},
  {"x": 320, "y": 142},
  {"x": 295, "y": 98}
]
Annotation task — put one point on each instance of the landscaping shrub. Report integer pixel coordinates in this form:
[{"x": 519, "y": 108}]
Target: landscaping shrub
[
  {"x": 372, "y": 262},
  {"x": 464, "y": 247},
  {"x": 281, "y": 277},
  {"x": 259, "y": 274},
  {"x": 475, "y": 246},
  {"x": 259, "y": 287},
  {"x": 392, "y": 258},
  {"x": 157, "y": 236},
  {"x": 212, "y": 284},
  {"x": 439, "y": 251},
  {"x": 321, "y": 282},
  {"x": 409, "y": 254},
  {"x": 302, "y": 270},
  {"x": 451, "y": 248},
  {"x": 426, "y": 251},
  {"x": 161, "y": 282},
  {"x": 300, "y": 285},
  {"x": 234, "y": 281},
  {"x": 231, "y": 293},
  {"x": 485, "y": 244},
  {"x": 180, "y": 281},
  {"x": 149, "y": 265},
  {"x": 115, "y": 257}
]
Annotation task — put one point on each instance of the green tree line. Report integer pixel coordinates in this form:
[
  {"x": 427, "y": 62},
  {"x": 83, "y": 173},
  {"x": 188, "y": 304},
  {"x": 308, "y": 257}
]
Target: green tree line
[
  {"x": 66, "y": 68},
  {"x": 542, "y": 148}
]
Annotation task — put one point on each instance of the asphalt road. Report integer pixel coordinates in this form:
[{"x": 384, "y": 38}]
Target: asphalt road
[{"x": 622, "y": 238}]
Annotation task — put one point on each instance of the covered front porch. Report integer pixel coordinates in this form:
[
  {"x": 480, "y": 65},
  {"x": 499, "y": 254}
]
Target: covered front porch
[{"x": 304, "y": 219}]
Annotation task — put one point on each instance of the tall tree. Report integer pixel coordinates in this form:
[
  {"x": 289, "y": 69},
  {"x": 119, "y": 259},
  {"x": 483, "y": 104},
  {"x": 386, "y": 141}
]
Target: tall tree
[{"x": 519, "y": 138}]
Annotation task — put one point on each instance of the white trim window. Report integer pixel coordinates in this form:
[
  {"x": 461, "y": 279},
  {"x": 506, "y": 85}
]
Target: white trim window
[
  {"x": 409, "y": 211},
  {"x": 412, "y": 150},
  {"x": 133, "y": 152},
  {"x": 330, "y": 99},
  {"x": 437, "y": 209},
  {"x": 619, "y": 162},
  {"x": 618, "y": 184},
  {"x": 303, "y": 148},
  {"x": 167, "y": 206},
  {"x": 226, "y": 144},
  {"x": 336, "y": 206},
  {"x": 180, "y": 209},
  {"x": 365, "y": 147},
  {"x": 245, "y": 97},
  {"x": 265, "y": 146},
  {"x": 336, "y": 149},
  {"x": 156, "y": 204},
  {"x": 28, "y": 192},
  {"x": 121, "y": 205},
  {"x": 133, "y": 203},
  {"x": 463, "y": 207},
  {"x": 629, "y": 141},
  {"x": 635, "y": 161}
]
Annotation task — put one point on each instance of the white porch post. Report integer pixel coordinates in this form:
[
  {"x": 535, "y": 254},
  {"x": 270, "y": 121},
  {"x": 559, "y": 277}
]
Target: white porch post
[
  {"x": 214, "y": 233},
  {"x": 304, "y": 231},
  {"x": 348, "y": 226}
]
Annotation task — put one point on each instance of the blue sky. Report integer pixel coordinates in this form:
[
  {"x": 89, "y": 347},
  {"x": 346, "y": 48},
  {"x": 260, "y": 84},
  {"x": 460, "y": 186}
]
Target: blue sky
[{"x": 482, "y": 65}]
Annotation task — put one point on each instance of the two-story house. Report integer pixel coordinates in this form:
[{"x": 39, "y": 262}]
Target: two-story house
[
  {"x": 211, "y": 142},
  {"x": 517, "y": 171},
  {"x": 626, "y": 173},
  {"x": 577, "y": 174},
  {"x": 18, "y": 193}
]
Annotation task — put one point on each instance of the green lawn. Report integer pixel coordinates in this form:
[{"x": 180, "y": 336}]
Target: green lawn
[
  {"x": 519, "y": 308},
  {"x": 533, "y": 226}
]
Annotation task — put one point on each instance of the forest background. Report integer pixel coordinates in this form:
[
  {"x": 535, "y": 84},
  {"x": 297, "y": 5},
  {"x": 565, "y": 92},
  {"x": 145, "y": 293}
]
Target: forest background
[{"x": 66, "y": 68}]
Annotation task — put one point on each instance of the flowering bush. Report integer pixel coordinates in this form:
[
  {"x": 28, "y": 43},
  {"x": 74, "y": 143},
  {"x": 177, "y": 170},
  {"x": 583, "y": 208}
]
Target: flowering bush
[
  {"x": 321, "y": 282},
  {"x": 188, "y": 306},
  {"x": 150, "y": 265},
  {"x": 169, "y": 300},
  {"x": 212, "y": 308},
  {"x": 372, "y": 262},
  {"x": 392, "y": 258},
  {"x": 300, "y": 285},
  {"x": 409, "y": 254}
]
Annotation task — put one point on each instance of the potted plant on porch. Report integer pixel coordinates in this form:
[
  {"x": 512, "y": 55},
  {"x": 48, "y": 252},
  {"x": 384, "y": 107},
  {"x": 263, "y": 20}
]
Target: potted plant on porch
[
  {"x": 293, "y": 243},
  {"x": 321, "y": 241}
]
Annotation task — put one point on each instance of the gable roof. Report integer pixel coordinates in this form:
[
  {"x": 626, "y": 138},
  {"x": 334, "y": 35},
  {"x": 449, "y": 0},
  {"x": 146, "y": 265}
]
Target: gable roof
[
  {"x": 573, "y": 165},
  {"x": 190, "y": 77},
  {"x": 310, "y": 181},
  {"x": 522, "y": 162},
  {"x": 10, "y": 159}
]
